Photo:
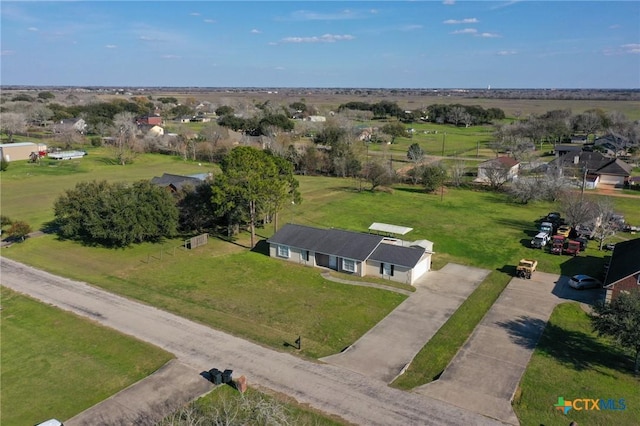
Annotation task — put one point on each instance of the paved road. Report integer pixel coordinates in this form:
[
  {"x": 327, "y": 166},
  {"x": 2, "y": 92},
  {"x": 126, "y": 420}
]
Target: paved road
[
  {"x": 386, "y": 349},
  {"x": 485, "y": 373},
  {"x": 351, "y": 396}
]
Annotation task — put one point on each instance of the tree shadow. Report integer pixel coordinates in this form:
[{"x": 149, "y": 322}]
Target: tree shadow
[{"x": 571, "y": 348}]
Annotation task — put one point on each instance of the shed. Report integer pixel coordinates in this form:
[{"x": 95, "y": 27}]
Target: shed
[{"x": 20, "y": 150}]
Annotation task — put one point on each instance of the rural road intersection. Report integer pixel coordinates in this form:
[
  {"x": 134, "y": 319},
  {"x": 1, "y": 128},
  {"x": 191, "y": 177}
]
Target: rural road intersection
[{"x": 355, "y": 397}]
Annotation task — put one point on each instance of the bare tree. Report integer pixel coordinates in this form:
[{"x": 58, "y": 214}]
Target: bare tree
[
  {"x": 496, "y": 175},
  {"x": 456, "y": 114},
  {"x": 377, "y": 175},
  {"x": 525, "y": 190},
  {"x": 578, "y": 210},
  {"x": 605, "y": 225},
  {"x": 12, "y": 123},
  {"x": 125, "y": 130},
  {"x": 458, "y": 170}
]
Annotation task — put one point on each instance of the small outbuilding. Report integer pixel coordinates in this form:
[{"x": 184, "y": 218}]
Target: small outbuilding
[{"x": 20, "y": 150}]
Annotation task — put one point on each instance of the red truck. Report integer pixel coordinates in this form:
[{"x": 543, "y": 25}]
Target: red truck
[
  {"x": 557, "y": 244},
  {"x": 572, "y": 247}
]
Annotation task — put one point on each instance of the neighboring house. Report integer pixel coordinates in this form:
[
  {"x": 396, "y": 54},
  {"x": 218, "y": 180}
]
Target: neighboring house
[
  {"x": 563, "y": 149},
  {"x": 506, "y": 167},
  {"x": 352, "y": 252},
  {"x": 175, "y": 183},
  {"x": 594, "y": 167},
  {"x": 149, "y": 120},
  {"x": 623, "y": 275},
  {"x": 614, "y": 146},
  {"x": 20, "y": 150},
  {"x": 77, "y": 124},
  {"x": 183, "y": 119}
]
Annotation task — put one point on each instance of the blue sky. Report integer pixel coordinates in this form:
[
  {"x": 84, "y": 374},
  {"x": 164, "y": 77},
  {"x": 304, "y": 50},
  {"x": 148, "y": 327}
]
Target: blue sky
[{"x": 381, "y": 44}]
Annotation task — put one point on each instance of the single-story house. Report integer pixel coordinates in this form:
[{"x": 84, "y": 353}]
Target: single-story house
[
  {"x": 613, "y": 145},
  {"x": 77, "y": 124},
  {"x": 623, "y": 275},
  {"x": 507, "y": 167},
  {"x": 610, "y": 171},
  {"x": 20, "y": 150},
  {"x": 352, "y": 252}
]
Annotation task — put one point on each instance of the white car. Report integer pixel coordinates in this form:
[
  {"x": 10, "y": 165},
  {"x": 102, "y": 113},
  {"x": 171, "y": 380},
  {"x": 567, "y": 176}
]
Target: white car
[
  {"x": 540, "y": 240},
  {"x": 581, "y": 282}
]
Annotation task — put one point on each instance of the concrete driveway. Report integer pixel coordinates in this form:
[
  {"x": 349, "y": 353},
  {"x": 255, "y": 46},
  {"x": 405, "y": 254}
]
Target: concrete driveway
[
  {"x": 485, "y": 373},
  {"x": 351, "y": 396},
  {"x": 385, "y": 350}
]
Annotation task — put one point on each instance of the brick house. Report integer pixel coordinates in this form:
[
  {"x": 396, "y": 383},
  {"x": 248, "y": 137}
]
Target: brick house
[{"x": 623, "y": 274}]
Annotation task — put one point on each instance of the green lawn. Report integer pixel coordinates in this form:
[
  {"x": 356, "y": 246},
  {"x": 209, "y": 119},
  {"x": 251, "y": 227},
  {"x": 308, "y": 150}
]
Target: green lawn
[
  {"x": 56, "y": 364},
  {"x": 573, "y": 362},
  {"x": 272, "y": 302}
]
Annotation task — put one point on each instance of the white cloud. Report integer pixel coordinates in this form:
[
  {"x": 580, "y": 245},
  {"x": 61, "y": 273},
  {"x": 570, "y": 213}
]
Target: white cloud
[
  {"x": 195, "y": 14},
  {"x": 631, "y": 48},
  {"x": 209, "y": 21},
  {"x": 507, "y": 52},
  {"x": 306, "y": 15},
  {"x": 111, "y": 46},
  {"x": 466, "y": 31},
  {"x": 614, "y": 26},
  {"x": 449, "y": 2},
  {"x": 255, "y": 31},
  {"x": 7, "y": 52},
  {"x": 280, "y": 68},
  {"x": 461, "y": 21},
  {"x": 32, "y": 29},
  {"x": 170, "y": 57},
  {"x": 488, "y": 35},
  {"x": 326, "y": 38}
]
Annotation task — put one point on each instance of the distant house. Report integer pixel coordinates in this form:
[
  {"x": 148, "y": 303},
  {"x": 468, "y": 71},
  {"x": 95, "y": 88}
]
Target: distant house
[
  {"x": 613, "y": 146},
  {"x": 77, "y": 124},
  {"x": 623, "y": 275},
  {"x": 183, "y": 119},
  {"x": 562, "y": 149},
  {"x": 352, "y": 252},
  {"x": 505, "y": 167},
  {"x": 175, "y": 183},
  {"x": 149, "y": 120},
  {"x": 316, "y": 118},
  {"x": 595, "y": 167}
]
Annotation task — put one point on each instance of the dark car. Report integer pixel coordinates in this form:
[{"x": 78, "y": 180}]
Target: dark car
[{"x": 582, "y": 282}]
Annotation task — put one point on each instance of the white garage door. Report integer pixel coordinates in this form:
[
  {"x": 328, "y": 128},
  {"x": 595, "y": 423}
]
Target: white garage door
[{"x": 421, "y": 268}]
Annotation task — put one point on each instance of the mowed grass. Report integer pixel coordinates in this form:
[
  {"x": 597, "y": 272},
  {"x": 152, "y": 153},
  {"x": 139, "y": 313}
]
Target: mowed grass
[
  {"x": 573, "y": 362},
  {"x": 56, "y": 364},
  {"x": 28, "y": 191}
]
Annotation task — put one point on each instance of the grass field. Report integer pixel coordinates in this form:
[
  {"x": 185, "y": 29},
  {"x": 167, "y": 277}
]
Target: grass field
[
  {"x": 56, "y": 364},
  {"x": 583, "y": 366},
  {"x": 271, "y": 302}
]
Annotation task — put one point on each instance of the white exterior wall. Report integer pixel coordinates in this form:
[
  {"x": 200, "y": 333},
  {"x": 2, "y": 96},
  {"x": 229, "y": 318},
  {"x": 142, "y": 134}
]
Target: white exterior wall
[{"x": 612, "y": 180}]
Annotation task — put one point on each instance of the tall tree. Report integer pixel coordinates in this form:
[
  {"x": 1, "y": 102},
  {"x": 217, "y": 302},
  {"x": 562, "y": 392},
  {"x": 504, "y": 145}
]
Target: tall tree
[
  {"x": 251, "y": 180},
  {"x": 433, "y": 176},
  {"x": 12, "y": 123},
  {"x": 620, "y": 320},
  {"x": 125, "y": 130},
  {"x": 377, "y": 174}
]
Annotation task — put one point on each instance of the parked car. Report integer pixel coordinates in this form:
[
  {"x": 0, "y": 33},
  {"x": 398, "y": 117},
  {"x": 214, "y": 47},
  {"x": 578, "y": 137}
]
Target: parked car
[
  {"x": 540, "y": 240},
  {"x": 547, "y": 227},
  {"x": 553, "y": 217},
  {"x": 582, "y": 282},
  {"x": 557, "y": 244},
  {"x": 571, "y": 247},
  {"x": 564, "y": 230}
]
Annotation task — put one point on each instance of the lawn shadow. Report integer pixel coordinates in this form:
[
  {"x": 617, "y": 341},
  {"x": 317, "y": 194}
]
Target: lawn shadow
[{"x": 416, "y": 190}]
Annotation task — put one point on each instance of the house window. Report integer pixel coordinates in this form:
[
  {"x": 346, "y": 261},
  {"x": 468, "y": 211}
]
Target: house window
[
  {"x": 349, "y": 265},
  {"x": 283, "y": 251},
  {"x": 386, "y": 269},
  {"x": 305, "y": 255}
]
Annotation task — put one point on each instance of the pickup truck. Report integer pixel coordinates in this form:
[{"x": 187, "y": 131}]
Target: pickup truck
[
  {"x": 557, "y": 244},
  {"x": 540, "y": 240},
  {"x": 547, "y": 227},
  {"x": 572, "y": 247},
  {"x": 526, "y": 267}
]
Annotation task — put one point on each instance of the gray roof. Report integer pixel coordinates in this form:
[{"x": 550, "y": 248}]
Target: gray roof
[
  {"x": 625, "y": 261},
  {"x": 176, "y": 181},
  {"x": 397, "y": 255},
  {"x": 347, "y": 244},
  {"x": 336, "y": 242}
]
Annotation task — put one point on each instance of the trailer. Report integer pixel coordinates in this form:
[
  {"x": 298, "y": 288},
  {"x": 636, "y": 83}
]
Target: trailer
[{"x": 66, "y": 155}]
